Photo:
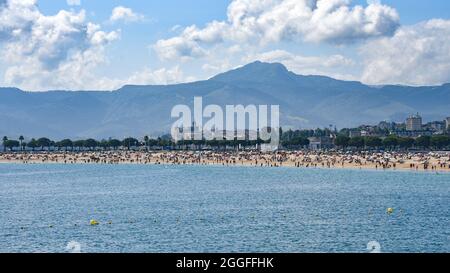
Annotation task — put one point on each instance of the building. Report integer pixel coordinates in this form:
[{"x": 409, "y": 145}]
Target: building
[
  {"x": 414, "y": 123},
  {"x": 447, "y": 123},
  {"x": 319, "y": 143},
  {"x": 265, "y": 148},
  {"x": 436, "y": 126},
  {"x": 365, "y": 133},
  {"x": 354, "y": 133}
]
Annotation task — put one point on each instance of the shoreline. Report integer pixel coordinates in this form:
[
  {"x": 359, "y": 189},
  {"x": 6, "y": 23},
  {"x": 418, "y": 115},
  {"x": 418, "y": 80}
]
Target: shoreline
[
  {"x": 349, "y": 168},
  {"x": 393, "y": 161}
]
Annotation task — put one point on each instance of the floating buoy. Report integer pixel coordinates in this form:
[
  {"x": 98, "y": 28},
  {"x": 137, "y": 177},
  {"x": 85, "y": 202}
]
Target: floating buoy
[
  {"x": 390, "y": 210},
  {"x": 94, "y": 223},
  {"x": 110, "y": 223}
]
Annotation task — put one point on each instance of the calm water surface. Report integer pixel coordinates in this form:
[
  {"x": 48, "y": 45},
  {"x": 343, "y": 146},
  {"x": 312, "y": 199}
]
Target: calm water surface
[{"x": 219, "y": 209}]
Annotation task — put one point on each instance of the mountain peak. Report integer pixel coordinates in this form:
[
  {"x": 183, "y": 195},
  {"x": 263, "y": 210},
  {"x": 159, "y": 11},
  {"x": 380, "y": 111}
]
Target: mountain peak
[
  {"x": 264, "y": 65},
  {"x": 256, "y": 72}
]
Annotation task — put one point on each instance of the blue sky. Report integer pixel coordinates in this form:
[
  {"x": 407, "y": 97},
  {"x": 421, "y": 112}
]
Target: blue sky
[{"x": 150, "y": 42}]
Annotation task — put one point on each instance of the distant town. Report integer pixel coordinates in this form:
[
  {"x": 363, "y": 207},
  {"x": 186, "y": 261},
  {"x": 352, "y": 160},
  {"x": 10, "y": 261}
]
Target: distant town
[{"x": 411, "y": 134}]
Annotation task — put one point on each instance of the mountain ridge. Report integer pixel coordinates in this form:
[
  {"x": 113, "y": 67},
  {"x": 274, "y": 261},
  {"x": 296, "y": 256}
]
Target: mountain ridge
[
  {"x": 137, "y": 110},
  {"x": 218, "y": 77}
]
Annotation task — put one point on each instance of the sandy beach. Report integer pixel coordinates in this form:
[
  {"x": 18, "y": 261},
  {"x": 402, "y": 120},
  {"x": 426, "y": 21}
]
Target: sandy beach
[{"x": 431, "y": 161}]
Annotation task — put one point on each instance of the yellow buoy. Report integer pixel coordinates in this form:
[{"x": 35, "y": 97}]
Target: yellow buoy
[
  {"x": 390, "y": 210},
  {"x": 94, "y": 223}
]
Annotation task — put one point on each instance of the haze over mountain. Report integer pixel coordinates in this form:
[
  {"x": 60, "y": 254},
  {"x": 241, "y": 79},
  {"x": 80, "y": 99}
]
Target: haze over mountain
[{"x": 305, "y": 102}]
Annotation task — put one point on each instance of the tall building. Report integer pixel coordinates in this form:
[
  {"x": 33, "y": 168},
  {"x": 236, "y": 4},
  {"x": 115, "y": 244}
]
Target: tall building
[
  {"x": 414, "y": 123},
  {"x": 447, "y": 123}
]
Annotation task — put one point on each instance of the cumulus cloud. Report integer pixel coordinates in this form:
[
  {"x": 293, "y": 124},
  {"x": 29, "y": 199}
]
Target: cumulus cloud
[
  {"x": 57, "y": 51},
  {"x": 415, "y": 55},
  {"x": 121, "y": 13},
  {"x": 74, "y": 2},
  {"x": 332, "y": 65},
  {"x": 178, "y": 47},
  {"x": 159, "y": 76},
  {"x": 267, "y": 21}
]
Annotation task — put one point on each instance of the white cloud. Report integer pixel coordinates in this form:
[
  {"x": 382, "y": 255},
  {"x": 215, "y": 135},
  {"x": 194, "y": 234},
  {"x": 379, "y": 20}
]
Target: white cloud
[
  {"x": 177, "y": 47},
  {"x": 159, "y": 76},
  {"x": 146, "y": 76},
  {"x": 415, "y": 55},
  {"x": 73, "y": 2},
  {"x": 121, "y": 13},
  {"x": 270, "y": 21},
  {"x": 333, "y": 65},
  {"x": 217, "y": 67},
  {"x": 42, "y": 52}
]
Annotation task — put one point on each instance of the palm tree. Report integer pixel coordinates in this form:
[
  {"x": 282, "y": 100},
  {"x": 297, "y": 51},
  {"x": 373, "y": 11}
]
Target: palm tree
[
  {"x": 5, "y": 139},
  {"x": 146, "y": 139},
  {"x": 21, "y": 139}
]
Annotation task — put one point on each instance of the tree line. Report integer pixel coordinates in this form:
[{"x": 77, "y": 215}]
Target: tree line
[
  {"x": 83, "y": 144},
  {"x": 393, "y": 142},
  {"x": 44, "y": 143},
  {"x": 289, "y": 140}
]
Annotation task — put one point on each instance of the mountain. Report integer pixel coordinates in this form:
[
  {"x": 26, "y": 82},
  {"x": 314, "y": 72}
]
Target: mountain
[{"x": 305, "y": 102}]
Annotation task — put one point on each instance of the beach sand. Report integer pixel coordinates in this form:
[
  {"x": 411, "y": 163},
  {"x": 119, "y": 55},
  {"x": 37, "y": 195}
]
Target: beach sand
[{"x": 300, "y": 159}]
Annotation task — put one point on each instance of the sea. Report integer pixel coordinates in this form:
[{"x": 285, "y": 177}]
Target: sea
[{"x": 48, "y": 208}]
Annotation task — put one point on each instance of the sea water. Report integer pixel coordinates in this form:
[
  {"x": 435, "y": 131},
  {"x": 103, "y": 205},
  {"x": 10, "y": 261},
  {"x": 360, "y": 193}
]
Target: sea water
[{"x": 149, "y": 208}]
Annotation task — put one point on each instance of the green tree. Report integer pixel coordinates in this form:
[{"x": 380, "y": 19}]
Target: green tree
[
  {"x": 357, "y": 142},
  {"x": 291, "y": 141},
  {"x": 439, "y": 142},
  {"x": 91, "y": 144},
  {"x": 146, "y": 140},
  {"x": 5, "y": 138},
  {"x": 65, "y": 143},
  {"x": 130, "y": 142},
  {"x": 300, "y": 141},
  {"x": 390, "y": 142},
  {"x": 44, "y": 142},
  {"x": 79, "y": 144},
  {"x": 406, "y": 142},
  {"x": 32, "y": 144},
  {"x": 152, "y": 142},
  {"x": 342, "y": 141},
  {"x": 423, "y": 142},
  {"x": 114, "y": 143},
  {"x": 11, "y": 144},
  {"x": 21, "y": 139},
  {"x": 104, "y": 144},
  {"x": 23, "y": 146},
  {"x": 373, "y": 142}
]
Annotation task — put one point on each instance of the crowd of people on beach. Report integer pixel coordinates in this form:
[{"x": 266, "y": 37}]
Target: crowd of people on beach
[{"x": 307, "y": 159}]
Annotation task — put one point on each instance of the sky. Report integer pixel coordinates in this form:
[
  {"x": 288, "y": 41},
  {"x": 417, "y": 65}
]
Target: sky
[{"x": 103, "y": 45}]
